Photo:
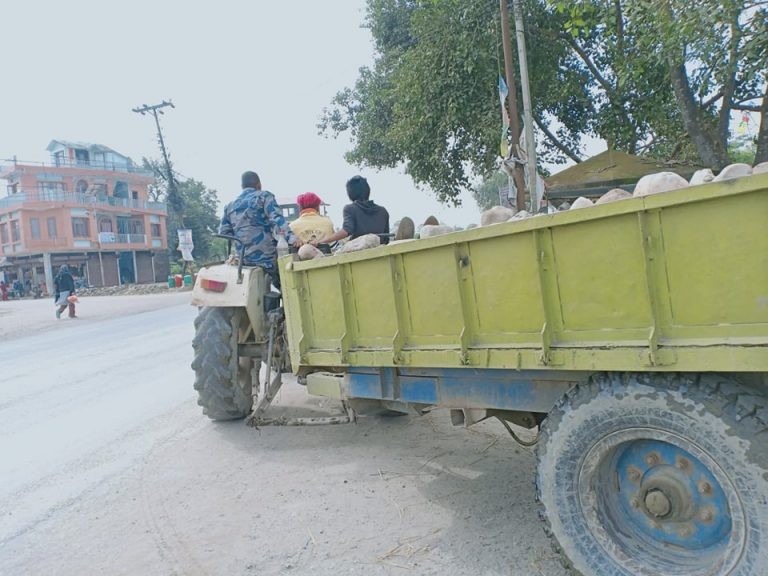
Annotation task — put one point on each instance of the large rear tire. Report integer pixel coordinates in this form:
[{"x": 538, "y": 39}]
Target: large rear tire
[
  {"x": 223, "y": 379},
  {"x": 649, "y": 474}
]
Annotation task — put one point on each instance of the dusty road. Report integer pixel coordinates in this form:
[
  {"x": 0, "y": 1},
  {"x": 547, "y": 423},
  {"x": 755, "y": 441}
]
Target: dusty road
[{"x": 108, "y": 467}]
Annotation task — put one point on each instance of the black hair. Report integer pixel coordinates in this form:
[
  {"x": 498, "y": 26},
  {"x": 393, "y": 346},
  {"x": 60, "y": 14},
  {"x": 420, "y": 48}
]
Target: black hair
[
  {"x": 250, "y": 180},
  {"x": 358, "y": 188}
]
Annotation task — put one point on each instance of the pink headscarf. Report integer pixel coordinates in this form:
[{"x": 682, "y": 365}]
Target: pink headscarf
[{"x": 308, "y": 200}]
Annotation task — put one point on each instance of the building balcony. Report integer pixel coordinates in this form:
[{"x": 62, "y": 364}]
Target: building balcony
[
  {"x": 105, "y": 241},
  {"x": 80, "y": 164},
  {"x": 31, "y": 197}
]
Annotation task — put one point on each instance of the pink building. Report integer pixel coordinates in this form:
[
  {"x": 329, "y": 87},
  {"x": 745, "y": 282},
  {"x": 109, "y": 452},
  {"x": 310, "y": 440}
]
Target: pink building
[{"x": 89, "y": 208}]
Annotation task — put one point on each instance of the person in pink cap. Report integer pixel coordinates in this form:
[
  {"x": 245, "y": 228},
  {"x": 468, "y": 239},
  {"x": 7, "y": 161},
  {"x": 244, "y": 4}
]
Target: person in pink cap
[{"x": 311, "y": 226}]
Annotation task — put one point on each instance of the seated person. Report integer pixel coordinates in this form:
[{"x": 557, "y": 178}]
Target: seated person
[
  {"x": 254, "y": 218},
  {"x": 311, "y": 226},
  {"x": 361, "y": 217}
]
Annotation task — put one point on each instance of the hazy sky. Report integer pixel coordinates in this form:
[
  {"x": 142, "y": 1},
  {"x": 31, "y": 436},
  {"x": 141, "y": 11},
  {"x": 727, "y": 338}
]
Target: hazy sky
[{"x": 249, "y": 80}]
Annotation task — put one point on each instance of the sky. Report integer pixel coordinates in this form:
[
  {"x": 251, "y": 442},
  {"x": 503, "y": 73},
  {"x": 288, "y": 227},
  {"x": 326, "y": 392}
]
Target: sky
[{"x": 249, "y": 80}]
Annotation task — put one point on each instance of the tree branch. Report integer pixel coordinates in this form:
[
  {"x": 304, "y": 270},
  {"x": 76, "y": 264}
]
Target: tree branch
[
  {"x": 556, "y": 141},
  {"x": 614, "y": 97},
  {"x": 588, "y": 61},
  {"x": 619, "y": 26},
  {"x": 711, "y": 100},
  {"x": 729, "y": 86},
  {"x": 746, "y": 107}
]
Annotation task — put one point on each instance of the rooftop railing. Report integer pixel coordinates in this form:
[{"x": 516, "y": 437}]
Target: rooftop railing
[{"x": 128, "y": 167}]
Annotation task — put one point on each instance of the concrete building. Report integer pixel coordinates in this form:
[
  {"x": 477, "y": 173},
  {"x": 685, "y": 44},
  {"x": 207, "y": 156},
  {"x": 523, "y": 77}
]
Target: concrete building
[{"x": 89, "y": 207}]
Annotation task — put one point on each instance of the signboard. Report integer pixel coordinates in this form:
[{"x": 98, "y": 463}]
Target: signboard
[
  {"x": 185, "y": 244},
  {"x": 107, "y": 237}
]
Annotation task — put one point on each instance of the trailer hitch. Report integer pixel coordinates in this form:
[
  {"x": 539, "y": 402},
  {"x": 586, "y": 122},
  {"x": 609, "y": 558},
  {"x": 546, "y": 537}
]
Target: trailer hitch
[{"x": 276, "y": 350}]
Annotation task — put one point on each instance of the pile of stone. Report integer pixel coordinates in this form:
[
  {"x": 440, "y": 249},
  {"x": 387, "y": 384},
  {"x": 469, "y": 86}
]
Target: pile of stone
[
  {"x": 647, "y": 185},
  {"x": 129, "y": 290}
]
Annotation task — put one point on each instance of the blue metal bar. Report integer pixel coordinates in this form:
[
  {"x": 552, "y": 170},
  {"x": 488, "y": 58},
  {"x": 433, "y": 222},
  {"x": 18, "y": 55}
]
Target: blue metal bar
[{"x": 529, "y": 391}]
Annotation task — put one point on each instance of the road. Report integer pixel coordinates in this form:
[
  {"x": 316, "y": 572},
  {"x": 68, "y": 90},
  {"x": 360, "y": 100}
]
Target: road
[{"x": 108, "y": 467}]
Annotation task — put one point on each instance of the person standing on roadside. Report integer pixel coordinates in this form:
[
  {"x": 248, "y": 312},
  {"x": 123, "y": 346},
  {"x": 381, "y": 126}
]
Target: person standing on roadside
[{"x": 63, "y": 288}]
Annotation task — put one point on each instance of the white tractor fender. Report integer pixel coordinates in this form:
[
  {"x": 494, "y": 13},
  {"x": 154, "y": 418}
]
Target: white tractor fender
[{"x": 248, "y": 294}]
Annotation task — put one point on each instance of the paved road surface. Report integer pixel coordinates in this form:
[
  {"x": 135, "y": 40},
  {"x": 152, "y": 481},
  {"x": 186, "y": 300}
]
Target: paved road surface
[{"x": 108, "y": 467}]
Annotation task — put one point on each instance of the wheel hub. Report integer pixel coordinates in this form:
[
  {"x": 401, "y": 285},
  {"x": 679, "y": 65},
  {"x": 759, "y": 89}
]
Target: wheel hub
[
  {"x": 670, "y": 497},
  {"x": 657, "y": 503}
]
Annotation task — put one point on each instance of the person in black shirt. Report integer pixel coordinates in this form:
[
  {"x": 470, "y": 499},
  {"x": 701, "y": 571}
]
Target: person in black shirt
[
  {"x": 63, "y": 288},
  {"x": 361, "y": 217}
]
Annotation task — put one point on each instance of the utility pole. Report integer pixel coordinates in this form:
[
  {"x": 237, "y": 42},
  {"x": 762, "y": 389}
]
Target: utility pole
[
  {"x": 530, "y": 144},
  {"x": 514, "y": 120},
  {"x": 173, "y": 199}
]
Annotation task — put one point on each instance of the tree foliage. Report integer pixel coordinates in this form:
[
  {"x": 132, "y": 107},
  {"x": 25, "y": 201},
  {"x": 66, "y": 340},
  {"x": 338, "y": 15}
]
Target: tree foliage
[
  {"x": 487, "y": 194},
  {"x": 614, "y": 69},
  {"x": 195, "y": 208}
]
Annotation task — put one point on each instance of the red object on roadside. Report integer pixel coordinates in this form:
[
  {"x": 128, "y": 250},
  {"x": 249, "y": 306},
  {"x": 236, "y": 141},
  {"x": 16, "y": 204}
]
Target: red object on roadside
[{"x": 178, "y": 279}]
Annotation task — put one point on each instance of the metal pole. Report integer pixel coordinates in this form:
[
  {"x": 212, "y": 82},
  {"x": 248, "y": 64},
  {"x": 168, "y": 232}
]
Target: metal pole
[
  {"x": 514, "y": 119},
  {"x": 101, "y": 269},
  {"x": 172, "y": 191},
  {"x": 530, "y": 144}
]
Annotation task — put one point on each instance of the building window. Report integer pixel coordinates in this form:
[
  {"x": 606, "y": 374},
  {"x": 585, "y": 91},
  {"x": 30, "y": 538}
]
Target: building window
[
  {"x": 51, "y": 227},
  {"x": 80, "y": 228},
  {"x": 156, "y": 233},
  {"x": 81, "y": 157},
  {"x": 34, "y": 228},
  {"x": 4, "y": 233},
  {"x": 137, "y": 226},
  {"x": 105, "y": 225},
  {"x": 15, "y": 231}
]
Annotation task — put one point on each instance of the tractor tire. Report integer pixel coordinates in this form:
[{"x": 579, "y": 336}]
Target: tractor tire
[
  {"x": 223, "y": 380},
  {"x": 651, "y": 474}
]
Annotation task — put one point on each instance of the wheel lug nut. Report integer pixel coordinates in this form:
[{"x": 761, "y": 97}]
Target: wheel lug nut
[
  {"x": 683, "y": 464},
  {"x": 635, "y": 503},
  {"x": 652, "y": 459},
  {"x": 705, "y": 488},
  {"x": 685, "y": 531},
  {"x": 706, "y": 516},
  {"x": 634, "y": 474}
]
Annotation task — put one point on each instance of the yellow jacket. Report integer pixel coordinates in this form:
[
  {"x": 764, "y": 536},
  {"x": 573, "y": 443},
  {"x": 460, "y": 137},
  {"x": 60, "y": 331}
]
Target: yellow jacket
[{"x": 311, "y": 226}]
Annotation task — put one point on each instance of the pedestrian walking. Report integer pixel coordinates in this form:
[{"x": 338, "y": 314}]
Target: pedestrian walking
[{"x": 64, "y": 292}]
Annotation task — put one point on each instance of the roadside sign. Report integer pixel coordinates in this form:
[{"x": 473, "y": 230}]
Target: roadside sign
[{"x": 185, "y": 244}]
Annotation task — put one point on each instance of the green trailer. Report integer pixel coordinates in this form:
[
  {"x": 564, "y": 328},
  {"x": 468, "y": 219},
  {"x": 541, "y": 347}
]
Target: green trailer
[{"x": 634, "y": 335}]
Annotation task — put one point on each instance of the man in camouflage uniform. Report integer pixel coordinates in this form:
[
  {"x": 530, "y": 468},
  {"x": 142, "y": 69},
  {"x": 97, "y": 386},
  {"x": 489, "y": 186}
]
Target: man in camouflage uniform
[{"x": 254, "y": 218}]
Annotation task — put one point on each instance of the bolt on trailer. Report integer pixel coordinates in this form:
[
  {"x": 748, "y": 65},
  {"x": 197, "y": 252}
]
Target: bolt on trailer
[{"x": 634, "y": 335}]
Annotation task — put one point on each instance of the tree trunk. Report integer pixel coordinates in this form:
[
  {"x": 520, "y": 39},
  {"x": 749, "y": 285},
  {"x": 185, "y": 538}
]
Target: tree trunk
[
  {"x": 762, "y": 136},
  {"x": 708, "y": 146}
]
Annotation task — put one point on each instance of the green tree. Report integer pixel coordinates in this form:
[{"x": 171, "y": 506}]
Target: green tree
[
  {"x": 201, "y": 204},
  {"x": 487, "y": 194},
  {"x": 195, "y": 207},
  {"x": 717, "y": 60},
  {"x": 659, "y": 78},
  {"x": 430, "y": 100}
]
